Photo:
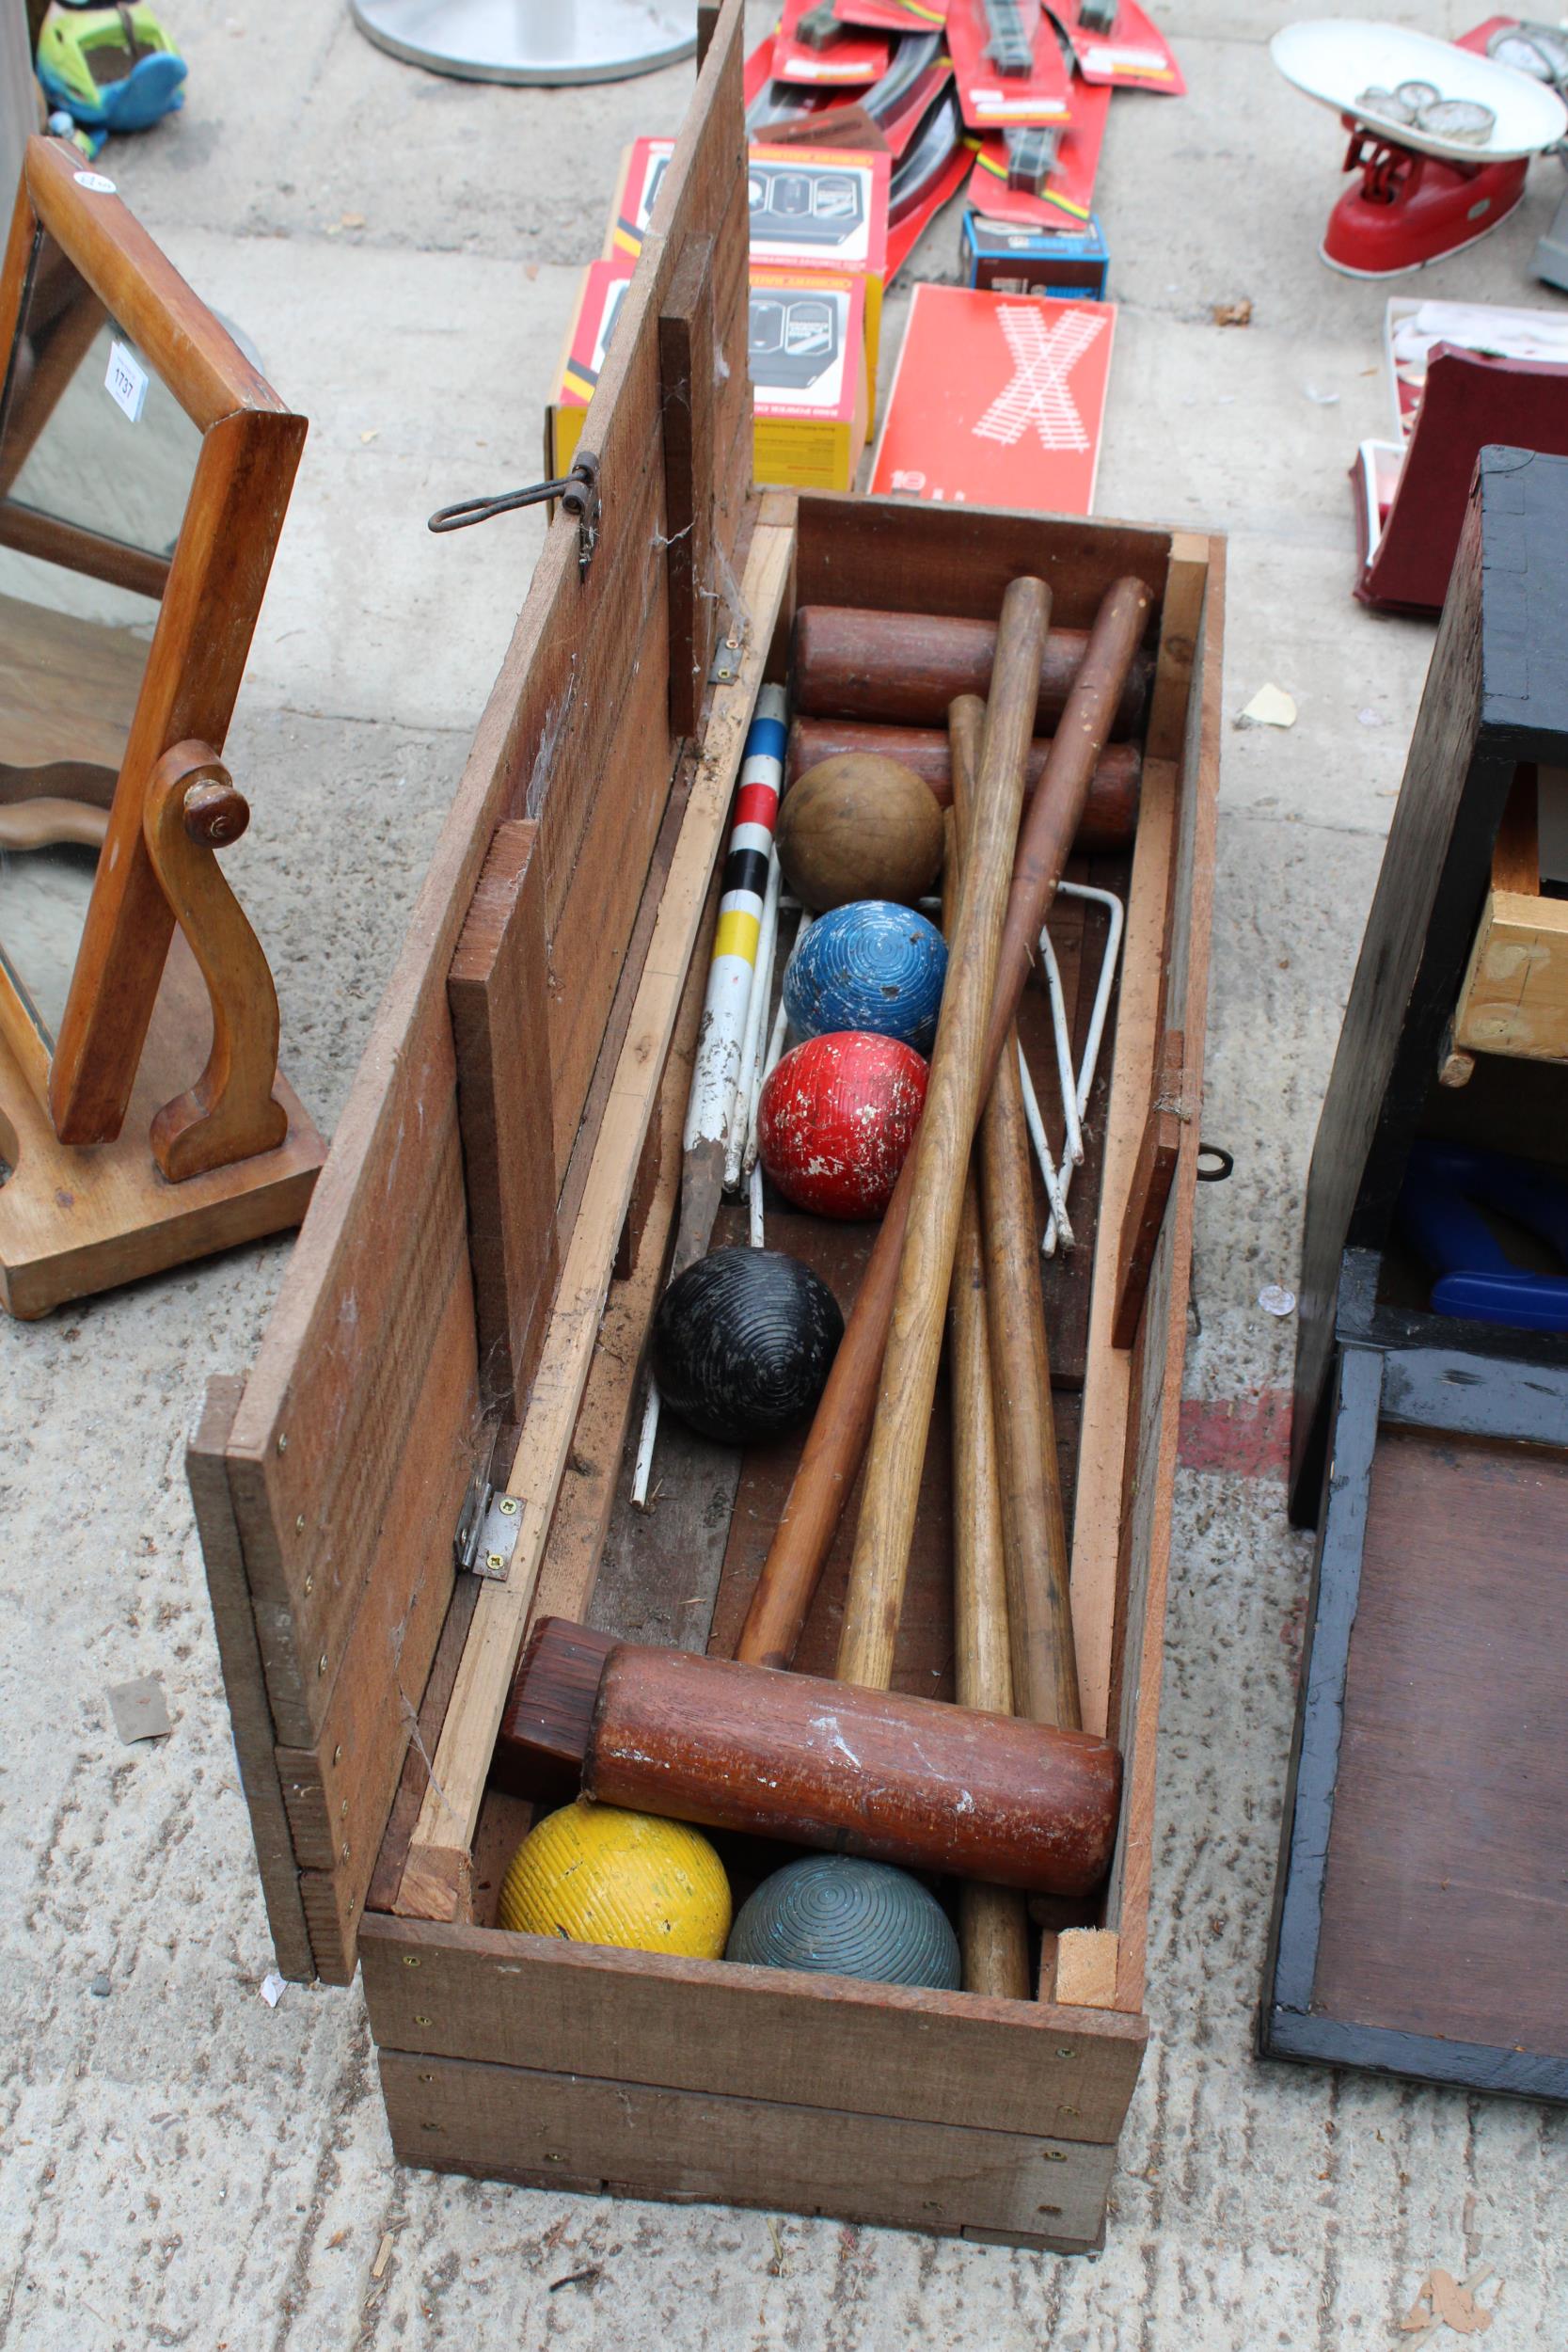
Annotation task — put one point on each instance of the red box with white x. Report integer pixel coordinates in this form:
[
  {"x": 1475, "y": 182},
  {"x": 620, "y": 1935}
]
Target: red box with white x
[{"x": 998, "y": 401}]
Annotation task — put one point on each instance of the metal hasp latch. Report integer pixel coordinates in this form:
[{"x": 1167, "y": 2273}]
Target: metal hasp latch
[
  {"x": 578, "y": 493},
  {"x": 489, "y": 1524}
]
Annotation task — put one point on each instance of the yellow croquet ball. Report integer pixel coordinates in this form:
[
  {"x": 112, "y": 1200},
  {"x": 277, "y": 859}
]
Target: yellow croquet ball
[{"x": 598, "y": 1875}]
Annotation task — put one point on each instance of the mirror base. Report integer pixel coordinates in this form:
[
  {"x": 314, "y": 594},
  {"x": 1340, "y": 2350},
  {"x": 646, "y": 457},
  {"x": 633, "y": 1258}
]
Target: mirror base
[{"x": 77, "y": 1220}]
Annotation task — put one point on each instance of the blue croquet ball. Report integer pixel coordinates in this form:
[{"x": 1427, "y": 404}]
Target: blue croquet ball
[
  {"x": 870, "y": 965},
  {"x": 834, "y": 1914}
]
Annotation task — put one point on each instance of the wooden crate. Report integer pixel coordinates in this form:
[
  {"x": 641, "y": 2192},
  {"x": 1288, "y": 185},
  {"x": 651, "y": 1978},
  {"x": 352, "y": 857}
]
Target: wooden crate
[{"x": 541, "y": 1021}]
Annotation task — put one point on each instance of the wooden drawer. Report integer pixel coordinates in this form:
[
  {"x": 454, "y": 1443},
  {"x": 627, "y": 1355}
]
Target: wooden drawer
[{"x": 428, "y": 1295}]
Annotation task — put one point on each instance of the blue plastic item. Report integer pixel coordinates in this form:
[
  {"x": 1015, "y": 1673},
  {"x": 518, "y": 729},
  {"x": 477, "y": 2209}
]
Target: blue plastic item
[
  {"x": 1447, "y": 1186},
  {"x": 869, "y": 966},
  {"x": 1067, "y": 264},
  {"x": 846, "y": 1917}
]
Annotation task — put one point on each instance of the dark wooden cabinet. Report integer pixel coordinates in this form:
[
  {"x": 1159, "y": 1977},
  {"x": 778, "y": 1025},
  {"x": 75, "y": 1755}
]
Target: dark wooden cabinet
[{"x": 1421, "y": 1912}]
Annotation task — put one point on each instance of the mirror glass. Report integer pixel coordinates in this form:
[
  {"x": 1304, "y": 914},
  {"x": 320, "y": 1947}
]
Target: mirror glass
[{"x": 96, "y": 463}]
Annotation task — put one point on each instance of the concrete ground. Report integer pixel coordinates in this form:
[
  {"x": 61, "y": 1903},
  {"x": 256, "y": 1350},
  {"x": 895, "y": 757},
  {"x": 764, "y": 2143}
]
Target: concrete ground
[{"x": 185, "y": 2165}]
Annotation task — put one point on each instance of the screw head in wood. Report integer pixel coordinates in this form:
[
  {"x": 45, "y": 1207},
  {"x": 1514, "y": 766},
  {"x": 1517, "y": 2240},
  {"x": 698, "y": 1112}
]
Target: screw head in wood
[{"x": 409, "y": 1961}]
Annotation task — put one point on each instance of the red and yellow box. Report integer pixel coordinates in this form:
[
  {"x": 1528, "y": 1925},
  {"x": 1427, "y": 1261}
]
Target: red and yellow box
[
  {"x": 816, "y": 208},
  {"x": 600, "y": 299},
  {"x": 812, "y": 208},
  {"x": 806, "y": 353},
  {"x": 642, "y": 168}
]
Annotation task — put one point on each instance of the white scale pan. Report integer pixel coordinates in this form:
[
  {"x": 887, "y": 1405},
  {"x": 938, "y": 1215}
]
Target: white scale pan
[{"x": 1334, "y": 60}]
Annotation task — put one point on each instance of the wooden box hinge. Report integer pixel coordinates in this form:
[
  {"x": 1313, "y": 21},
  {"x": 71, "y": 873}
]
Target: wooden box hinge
[{"x": 489, "y": 1523}]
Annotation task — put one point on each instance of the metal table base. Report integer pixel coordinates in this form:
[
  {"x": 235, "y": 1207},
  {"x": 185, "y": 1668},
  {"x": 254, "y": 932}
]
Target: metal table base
[{"x": 531, "y": 40}]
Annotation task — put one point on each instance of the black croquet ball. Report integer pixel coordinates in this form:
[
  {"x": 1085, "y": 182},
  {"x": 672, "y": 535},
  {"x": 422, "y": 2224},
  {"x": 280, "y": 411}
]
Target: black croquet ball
[{"x": 743, "y": 1343}]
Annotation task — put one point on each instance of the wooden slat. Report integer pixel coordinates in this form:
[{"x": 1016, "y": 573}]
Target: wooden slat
[
  {"x": 436, "y": 1859},
  {"x": 1102, "y": 1461},
  {"x": 1148, "y": 1194},
  {"x": 381, "y": 1892},
  {"x": 1086, "y": 1968},
  {"x": 499, "y": 993},
  {"x": 1147, "y": 1501},
  {"x": 685, "y": 372},
  {"x": 1097, "y": 1509},
  {"x": 935, "y": 2058},
  {"x": 345, "y": 1425},
  {"x": 334, "y": 1788},
  {"x": 908, "y": 555},
  {"x": 570, "y": 1567},
  {"x": 628, "y": 2139},
  {"x": 243, "y": 1684},
  {"x": 338, "y": 1793},
  {"x": 591, "y": 932}
]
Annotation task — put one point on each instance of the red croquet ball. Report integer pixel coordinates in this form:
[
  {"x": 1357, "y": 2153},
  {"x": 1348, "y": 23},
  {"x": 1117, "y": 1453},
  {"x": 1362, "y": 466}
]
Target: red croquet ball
[{"x": 837, "y": 1119}]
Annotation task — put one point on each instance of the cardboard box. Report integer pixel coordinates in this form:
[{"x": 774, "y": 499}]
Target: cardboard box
[
  {"x": 812, "y": 208},
  {"x": 998, "y": 401},
  {"x": 806, "y": 353},
  {"x": 642, "y": 168},
  {"x": 823, "y": 207},
  {"x": 599, "y": 297},
  {"x": 1007, "y": 257}
]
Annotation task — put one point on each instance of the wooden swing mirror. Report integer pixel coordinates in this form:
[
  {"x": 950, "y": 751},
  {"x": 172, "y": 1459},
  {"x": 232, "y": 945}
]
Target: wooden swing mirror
[{"x": 145, "y": 472}]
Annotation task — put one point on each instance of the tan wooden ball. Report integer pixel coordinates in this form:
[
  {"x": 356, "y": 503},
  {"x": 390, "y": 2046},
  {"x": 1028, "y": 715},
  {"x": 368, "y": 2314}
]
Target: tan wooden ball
[{"x": 859, "y": 826}]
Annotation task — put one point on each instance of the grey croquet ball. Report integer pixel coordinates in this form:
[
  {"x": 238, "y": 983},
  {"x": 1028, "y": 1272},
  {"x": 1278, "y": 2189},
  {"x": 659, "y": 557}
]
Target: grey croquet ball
[
  {"x": 844, "y": 1918},
  {"x": 743, "y": 1343}
]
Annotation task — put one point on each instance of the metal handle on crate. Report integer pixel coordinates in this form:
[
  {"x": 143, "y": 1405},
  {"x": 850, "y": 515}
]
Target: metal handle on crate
[{"x": 578, "y": 493}]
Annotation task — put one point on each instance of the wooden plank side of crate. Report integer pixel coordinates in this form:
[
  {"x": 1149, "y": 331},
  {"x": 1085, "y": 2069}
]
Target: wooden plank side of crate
[
  {"x": 628, "y": 2139},
  {"x": 936, "y": 2057},
  {"x": 244, "y": 1681},
  {"x": 1097, "y": 1511},
  {"x": 898, "y": 555},
  {"x": 1155, "y": 1384},
  {"x": 345, "y": 1370}
]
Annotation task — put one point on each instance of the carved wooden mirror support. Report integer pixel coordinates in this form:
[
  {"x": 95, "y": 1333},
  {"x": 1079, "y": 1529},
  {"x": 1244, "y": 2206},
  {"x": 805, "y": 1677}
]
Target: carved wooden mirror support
[{"x": 145, "y": 472}]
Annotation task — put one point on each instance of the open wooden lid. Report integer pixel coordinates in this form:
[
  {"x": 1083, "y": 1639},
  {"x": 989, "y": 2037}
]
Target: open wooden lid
[{"x": 329, "y": 1487}]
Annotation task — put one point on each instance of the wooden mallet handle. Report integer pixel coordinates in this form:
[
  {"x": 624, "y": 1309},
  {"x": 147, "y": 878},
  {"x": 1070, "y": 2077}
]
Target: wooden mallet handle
[
  {"x": 879, "y": 1567},
  {"x": 1040, "y": 1606},
  {"x": 994, "y": 1924},
  {"x": 836, "y": 1442}
]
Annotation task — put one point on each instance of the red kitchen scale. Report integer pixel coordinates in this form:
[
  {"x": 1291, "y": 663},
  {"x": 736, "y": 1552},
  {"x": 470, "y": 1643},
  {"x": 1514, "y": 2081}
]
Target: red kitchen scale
[{"x": 1440, "y": 134}]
